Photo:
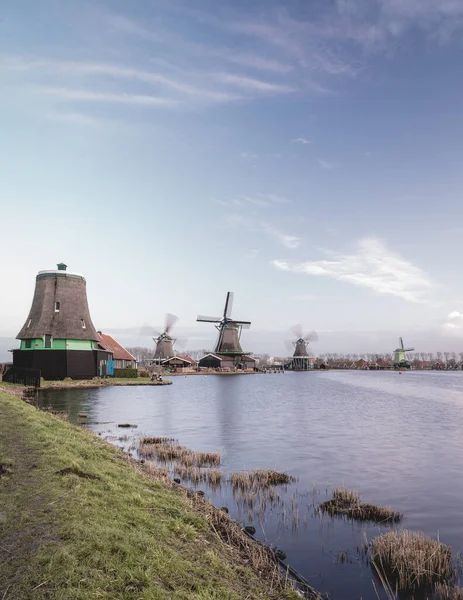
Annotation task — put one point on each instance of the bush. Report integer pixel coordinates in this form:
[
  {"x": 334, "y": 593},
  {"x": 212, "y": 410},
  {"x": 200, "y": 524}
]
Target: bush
[
  {"x": 126, "y": 373},
  {"x": 144, "y": 373}
]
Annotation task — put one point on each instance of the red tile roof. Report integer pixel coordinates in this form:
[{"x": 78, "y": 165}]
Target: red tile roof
[{"x": 110, "y": 345}]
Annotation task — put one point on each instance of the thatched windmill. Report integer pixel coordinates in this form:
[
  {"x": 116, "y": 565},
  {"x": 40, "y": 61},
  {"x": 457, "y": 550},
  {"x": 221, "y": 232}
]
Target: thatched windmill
[
  {"x": 301, "y": 359},
  {"x": 58, "y": 337},
  {"x": 228, "y": 341},
  {"x": 164, "y": 341}
]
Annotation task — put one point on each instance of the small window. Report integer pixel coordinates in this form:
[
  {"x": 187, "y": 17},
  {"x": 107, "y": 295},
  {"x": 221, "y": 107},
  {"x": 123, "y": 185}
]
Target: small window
[
  {"x": 57, "y": 306},
  {"x": 83, "y": 324},
  {"x": 28, "y": 344},
  {"x": 47, "y": 341},
  {"x": 28, "y": 323}
]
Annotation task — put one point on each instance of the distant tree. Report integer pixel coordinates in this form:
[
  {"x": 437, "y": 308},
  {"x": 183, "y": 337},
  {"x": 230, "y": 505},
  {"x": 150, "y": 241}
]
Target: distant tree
[
  {"x": 447, "y": 356},
  {"x": 141, "y": 353}
]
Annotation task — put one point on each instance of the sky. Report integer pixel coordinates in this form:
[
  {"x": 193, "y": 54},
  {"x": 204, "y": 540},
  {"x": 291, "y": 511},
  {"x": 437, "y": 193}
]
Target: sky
[{"x": 305, "y": 155}]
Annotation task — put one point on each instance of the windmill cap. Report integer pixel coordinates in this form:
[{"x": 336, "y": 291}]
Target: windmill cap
[{"x": 60, "y": 271}]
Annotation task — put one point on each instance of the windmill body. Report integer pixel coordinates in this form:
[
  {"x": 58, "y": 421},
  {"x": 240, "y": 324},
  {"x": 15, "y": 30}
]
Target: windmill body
[
  {"x": 165, "y": 342},
  {"x": 229, "y": 333},
  {"x": 301, "y": 359},
  {"x": 400, "y": 357},
  {"x": 59, "y": 338}
]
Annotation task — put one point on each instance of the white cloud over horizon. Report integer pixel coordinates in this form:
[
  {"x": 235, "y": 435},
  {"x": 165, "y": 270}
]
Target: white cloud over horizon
[{"x": 373, "y": 266}]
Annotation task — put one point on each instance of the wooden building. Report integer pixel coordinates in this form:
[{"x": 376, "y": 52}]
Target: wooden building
[
  {"x": 180, "y": 362},
  {"x": 227, "y": 362},
  {"x": 122, "y": 359},
  {"x": 58, "y": 337}
]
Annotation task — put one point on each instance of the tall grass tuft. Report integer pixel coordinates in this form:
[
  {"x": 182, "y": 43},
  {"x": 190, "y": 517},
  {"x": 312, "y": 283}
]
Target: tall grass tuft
[
  {"x": 249, "y": 480},
  {"x": 412, "y": 559},
  {"x": 347, "y": 502},
  {"x": 445, "y": 591}
]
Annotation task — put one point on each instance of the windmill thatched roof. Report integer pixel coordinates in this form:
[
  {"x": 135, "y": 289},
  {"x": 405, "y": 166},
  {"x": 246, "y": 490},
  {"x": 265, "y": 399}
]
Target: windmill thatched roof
[{"x": 59, "y": 308}]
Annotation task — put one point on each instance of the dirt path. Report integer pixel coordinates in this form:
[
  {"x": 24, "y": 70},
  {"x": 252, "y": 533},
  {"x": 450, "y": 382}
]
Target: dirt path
[{"x": 26, "y": 515}]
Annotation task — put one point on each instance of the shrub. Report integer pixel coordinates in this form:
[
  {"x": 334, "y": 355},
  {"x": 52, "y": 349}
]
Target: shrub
[{"x": 126, "y": 373}]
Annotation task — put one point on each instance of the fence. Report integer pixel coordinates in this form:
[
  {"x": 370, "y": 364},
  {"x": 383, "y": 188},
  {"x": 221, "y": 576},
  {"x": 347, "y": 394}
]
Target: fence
[{"x": 23, "y": 376}]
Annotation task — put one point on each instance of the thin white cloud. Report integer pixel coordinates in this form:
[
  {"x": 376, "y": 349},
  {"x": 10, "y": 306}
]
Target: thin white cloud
[
  {"x": 288, "y": 241},
  {"x": 373, "y": 266},
  {"x": 300, "y": 140},
  {"x": 258, "y": 200},
  {"x": 249, "y": 156},
  {"x": 250, "y": 83},
  {"x": 453, "y": 324},
  {"x": 74, "y": 118},
  {"x": 324, "y": 164},
  {"x": 90, "y": 96}
]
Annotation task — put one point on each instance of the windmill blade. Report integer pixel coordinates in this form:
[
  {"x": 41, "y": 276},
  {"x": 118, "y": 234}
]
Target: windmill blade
[
  {"x": 311, "y": 336},
  {"x": 148, "y": 331},
  {"x": 228, "y": 305},
  {"x": 289, "y": 345},
  {"x": 401, "y": 343},
  {"x": 181, "y": 342},
  {"x": 170, "y": 322},
  {"x": 297, "y": 330},
  {"x": 203, "y": 319},
  {"x": 409, "y": 349},
  {"x": 243, "y": 324}
]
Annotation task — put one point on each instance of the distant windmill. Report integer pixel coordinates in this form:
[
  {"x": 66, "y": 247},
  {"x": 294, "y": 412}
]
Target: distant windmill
[
  {"x": 164, "y": 341},
  {"x": 301, "y": 360},
  {"x": 228, "y": 341},
  {"x": 400, "y": 358}
]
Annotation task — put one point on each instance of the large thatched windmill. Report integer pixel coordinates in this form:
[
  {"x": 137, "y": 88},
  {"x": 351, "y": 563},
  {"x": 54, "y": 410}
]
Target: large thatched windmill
[
  {"x": 164, "y": 341},
  {"x": 228, "y": 341},
  {"x": 58, "y": 337},
  {"x": 400, "y": 358},
  {"x": 301, "y": 359}
]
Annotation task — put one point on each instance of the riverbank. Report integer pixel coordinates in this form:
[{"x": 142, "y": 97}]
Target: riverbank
[
  {"x": 80, "y": 520},
  {"x": 97, "y": 383}
]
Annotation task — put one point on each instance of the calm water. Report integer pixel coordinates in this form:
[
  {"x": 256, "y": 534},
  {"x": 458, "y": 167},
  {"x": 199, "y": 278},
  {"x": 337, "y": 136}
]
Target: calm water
[{"x": 397, "y": 439}]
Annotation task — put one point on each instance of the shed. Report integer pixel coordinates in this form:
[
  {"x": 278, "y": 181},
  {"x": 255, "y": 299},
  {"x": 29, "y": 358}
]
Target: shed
[{"x": 122, "y": 358}]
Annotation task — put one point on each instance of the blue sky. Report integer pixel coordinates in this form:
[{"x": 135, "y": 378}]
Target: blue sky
[{"x": 306, "y": 155}]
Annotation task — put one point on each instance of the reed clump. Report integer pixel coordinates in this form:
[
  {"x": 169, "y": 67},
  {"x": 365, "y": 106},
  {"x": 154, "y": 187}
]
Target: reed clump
[
  {"x": 157, "y": 440},
  {"x": 168, "y": 450},
  {"x": 411, "y": 559},
  {"x": 446, "y": 591},
  {"x": 347, "y": 502},
  {"x": 248, "y": 480},
  {"x": 213, "y": 477}
]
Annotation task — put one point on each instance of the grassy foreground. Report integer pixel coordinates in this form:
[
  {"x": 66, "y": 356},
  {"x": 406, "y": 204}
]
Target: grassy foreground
[{"x": 102, "y": 528}]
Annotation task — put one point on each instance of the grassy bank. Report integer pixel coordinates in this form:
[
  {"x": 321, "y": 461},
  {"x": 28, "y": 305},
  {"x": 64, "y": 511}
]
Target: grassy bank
[
  {"x": 79, "y": 520},
  {"x": 96, "y": 383}
]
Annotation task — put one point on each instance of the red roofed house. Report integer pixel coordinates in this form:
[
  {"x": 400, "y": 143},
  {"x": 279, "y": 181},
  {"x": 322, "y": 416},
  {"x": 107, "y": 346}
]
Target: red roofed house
[{"x": 122, "y": 358}]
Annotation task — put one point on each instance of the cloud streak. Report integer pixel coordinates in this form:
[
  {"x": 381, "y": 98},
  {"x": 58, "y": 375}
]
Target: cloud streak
[
  {"x": 373, "y": 266},
  {"x": 301, "y": 140}
]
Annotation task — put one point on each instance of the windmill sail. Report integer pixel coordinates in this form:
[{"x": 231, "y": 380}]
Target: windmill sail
[{"x": 228, "y": 340}]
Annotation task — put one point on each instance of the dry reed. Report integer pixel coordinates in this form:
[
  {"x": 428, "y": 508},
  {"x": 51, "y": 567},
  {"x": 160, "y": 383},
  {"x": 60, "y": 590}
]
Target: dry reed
[
  {"x": 248, "y": 480},
  {"x": 157, "y": 440},
  {"x": 196, "y": 475},
  {"x": 412, "y": 559},
  {"x": 168, "y": 450},
  {"x": 347, "y": 502},
  {"x": 445, "y": 591}
]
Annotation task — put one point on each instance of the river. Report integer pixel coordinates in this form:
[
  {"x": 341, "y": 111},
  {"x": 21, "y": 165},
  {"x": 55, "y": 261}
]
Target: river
[{"x": 397, "y": 439}]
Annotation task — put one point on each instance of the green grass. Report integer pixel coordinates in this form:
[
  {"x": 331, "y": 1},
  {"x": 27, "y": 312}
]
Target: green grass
[
  {"x": 118, "y": 536},
  {"x": 98, "y": 382}
]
